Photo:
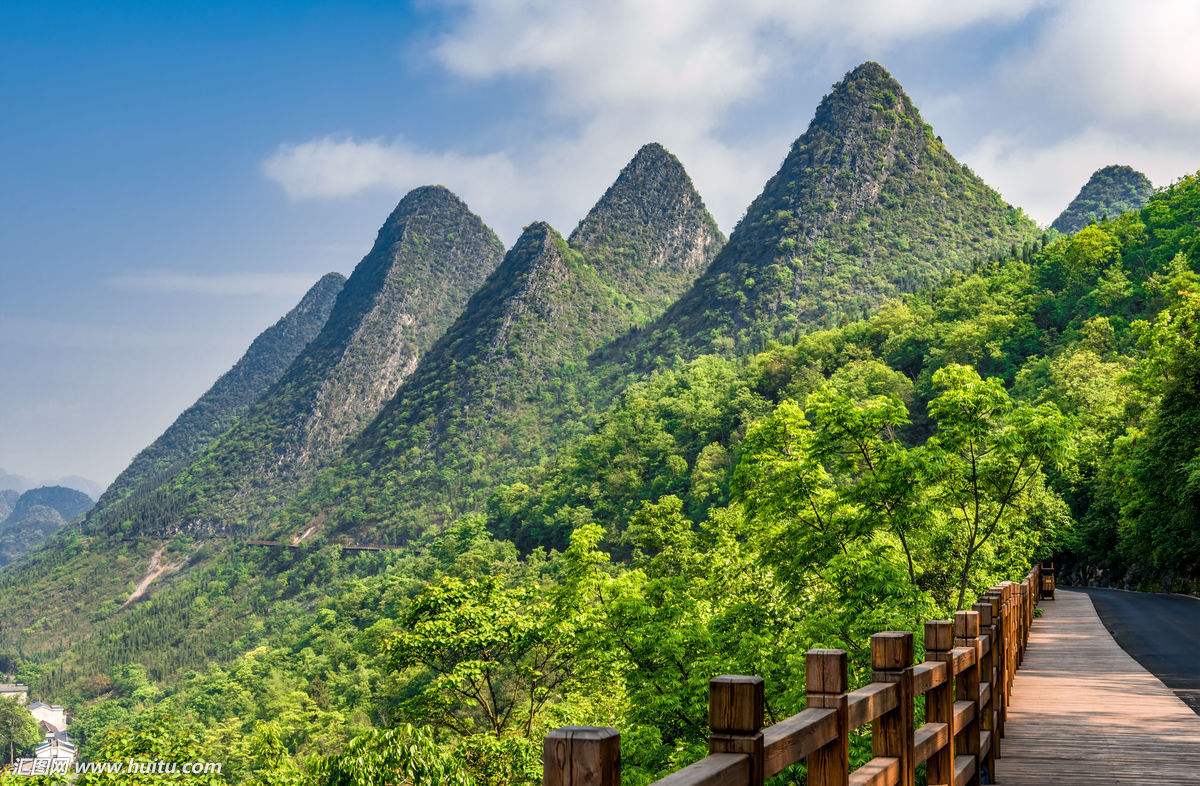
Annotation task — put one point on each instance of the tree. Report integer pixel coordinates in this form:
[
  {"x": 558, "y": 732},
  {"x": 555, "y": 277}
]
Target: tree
[
  {"x": 19, "y": 731},
  {"x": 987, "y": 459}
]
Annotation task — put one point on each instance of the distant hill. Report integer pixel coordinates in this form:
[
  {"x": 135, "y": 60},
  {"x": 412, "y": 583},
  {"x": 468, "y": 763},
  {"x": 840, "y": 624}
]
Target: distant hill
[
  {"x": 1109, "y": 192},
  {"x": 867, "y": 204},
  {"x": 36, "y": 515},
  {"x": 263, "y": 363}
]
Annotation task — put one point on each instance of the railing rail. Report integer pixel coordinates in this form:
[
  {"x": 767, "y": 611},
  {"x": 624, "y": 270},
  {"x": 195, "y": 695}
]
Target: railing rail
[{"x": 966, "y": 681}]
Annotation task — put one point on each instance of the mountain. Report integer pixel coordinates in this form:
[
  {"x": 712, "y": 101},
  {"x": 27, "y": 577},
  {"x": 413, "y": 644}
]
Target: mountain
[
  {"x": 510, "y": 378},
  {"x": 429, "y": 257},
  {"x": 268, "y": 356},
  {"x": 36, "y": 515},
  {"x": 867, "y": 204},
  {"x": 1109, "y": 192}
]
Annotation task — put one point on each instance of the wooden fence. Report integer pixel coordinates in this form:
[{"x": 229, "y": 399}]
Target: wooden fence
[{"x": 966, "y": 680}]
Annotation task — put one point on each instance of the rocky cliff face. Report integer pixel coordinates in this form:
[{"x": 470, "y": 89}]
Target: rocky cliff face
[
  {"x": 267, "y": 358},
  {"x": 867, "y": 204},
  {"x": 1109, "y": 192},
  {"x": 510, "y": 378}
]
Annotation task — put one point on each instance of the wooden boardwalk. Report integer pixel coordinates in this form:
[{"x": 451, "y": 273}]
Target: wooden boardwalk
[{"x": 1085, "y": 712}]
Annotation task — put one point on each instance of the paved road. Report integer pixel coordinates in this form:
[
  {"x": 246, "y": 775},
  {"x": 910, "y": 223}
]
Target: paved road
[{"x": 1160, "y": 631}]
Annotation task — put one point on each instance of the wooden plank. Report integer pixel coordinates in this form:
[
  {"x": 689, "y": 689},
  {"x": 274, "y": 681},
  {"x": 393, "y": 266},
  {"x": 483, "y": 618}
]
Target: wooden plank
[
  {"x": 792, "y": 739},
  {"x": 963, "y": 659},
  {"x": 720, "y": 769},
  {"x": 964, "y": 713},
  {"x": 928, "y": 740},
  {"x": 880, "y": 771},
  {"x": 927, "y": 676},
  {"x": 964, "y": 770},
  {"x": 1082, "y": 711},
  {"x": 870, "y": 701}
]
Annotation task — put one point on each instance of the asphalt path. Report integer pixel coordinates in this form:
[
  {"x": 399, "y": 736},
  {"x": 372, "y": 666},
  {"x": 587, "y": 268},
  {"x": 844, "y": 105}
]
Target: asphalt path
[{"x": 1161, "y": 631}]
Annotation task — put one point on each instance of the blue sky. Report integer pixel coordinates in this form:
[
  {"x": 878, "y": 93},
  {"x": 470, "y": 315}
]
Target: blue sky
[{"x": 177, "y": 174}]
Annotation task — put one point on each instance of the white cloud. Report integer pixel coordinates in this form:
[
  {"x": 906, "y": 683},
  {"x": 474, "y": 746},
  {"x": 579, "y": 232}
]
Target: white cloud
[
  {"x": 1130, "y": 63},
  {"x": 1044, "y": 178},
  {"x": 223, "y": 284},
  {"x": 624, "y": 73}
]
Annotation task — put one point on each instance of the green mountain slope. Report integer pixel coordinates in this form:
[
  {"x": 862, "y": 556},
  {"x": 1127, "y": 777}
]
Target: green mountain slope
[
  {"x": 868, "y": 203},
  {"x": 509, "y": 380},
  {"x": 265, "y": 361},
  {"x": 35, "y": 516},
  {"x": 1108, "y": 193},
  {"x": 430, "y": 255}
]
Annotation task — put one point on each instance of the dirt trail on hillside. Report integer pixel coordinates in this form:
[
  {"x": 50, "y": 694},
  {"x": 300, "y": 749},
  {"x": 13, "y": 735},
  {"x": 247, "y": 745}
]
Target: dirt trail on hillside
[{"x": 157, "y": 569}]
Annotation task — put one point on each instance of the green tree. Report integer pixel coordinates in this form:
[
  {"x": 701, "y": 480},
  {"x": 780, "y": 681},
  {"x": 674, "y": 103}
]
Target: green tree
[
  {"x": 986, "y": 461},
  {"x": 19, "y": 731}
]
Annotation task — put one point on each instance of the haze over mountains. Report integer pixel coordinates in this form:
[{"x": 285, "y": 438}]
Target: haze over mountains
[
  {"x": 430, "y": 255},
  {"x": 11, "y": 481},
  {"x": 609, "y": 377}
]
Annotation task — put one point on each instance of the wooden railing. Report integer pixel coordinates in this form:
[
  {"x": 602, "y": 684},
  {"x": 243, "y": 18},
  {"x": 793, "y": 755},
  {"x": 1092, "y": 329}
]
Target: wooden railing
[{"x": 966, "y": 680}]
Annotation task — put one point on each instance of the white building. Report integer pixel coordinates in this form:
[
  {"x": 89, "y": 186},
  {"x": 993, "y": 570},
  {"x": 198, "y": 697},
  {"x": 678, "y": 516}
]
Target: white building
[
  {"x": 51, "y": 717},
  {"x": 14, "y": 691},
  {"x": 57, "y": 748}
]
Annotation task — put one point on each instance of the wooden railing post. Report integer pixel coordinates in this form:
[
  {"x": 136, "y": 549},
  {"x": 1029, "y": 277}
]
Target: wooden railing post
[
  {"x": 892, "y": 734},
  {"x": 735, "y": 720},
  {"x": 1026, "y": 618},
  {"x": 987, "y": 674},
  {"x": 966, "y": 687},
  {"x": 999, "y": 664},
  {"x": 826, "y": 681},
  {"x": 582, "y": 756},
  {"x": 939, "y": 702}
]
